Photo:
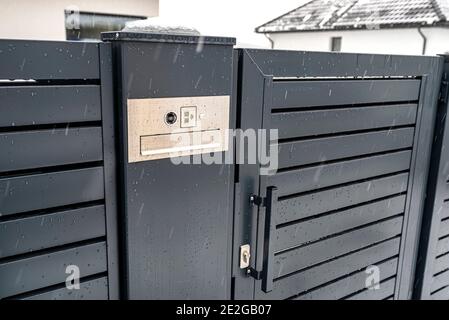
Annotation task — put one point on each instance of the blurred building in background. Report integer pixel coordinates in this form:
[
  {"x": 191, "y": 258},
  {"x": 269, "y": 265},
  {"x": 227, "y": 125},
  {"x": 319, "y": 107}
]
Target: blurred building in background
[
  {"x": 69, "y": 19},
  {"x": 366, "y": 26}
]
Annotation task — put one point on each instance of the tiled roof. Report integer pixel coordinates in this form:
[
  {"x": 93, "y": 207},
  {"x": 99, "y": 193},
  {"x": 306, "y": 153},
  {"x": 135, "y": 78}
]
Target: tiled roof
[{"x": 360, "y": 14}]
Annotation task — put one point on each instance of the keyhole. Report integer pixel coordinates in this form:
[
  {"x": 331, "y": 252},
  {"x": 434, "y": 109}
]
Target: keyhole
[{"x": 245, "y": 257}]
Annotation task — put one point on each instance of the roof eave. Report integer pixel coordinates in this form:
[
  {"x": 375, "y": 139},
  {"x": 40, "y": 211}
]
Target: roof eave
[{"x": 361, "y": 27}]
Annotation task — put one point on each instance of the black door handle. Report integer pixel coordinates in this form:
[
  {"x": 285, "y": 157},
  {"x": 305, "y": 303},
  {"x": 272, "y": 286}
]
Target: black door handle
[{"x": 270, "y": 203}]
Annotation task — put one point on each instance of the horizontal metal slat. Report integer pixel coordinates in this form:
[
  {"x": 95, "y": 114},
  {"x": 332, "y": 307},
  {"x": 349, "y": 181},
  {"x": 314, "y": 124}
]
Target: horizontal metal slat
[
  {"x": 312, "y": 230},
  {"x": 317, "y": 150},
  {"x": 442, "y": 294},
  {"x": 45, "y": 148},
  {"x": 444, "y": 213},
  {"x": 25, "y": 59},
  {"x": 440, "y": 281},
  {"x": 33, "y": 105},
  {"x": 446, "y": 190},
  {"x": 50, "y": 230},
  {"x": 321, "y": 176},
  {"x": 53, "y": 189},
  {"x": 295, "y": 63},
  {"x": 386, "y": 289},
  {"x": 20, "y": 276},
  {"x": 348, "y": 285},
  {"x": 441, "y": 263},
  {"x": 443, "y": 246},
  {"x": 96, "y": 289},
  {"x": 330, "y": 248},
  {"x": 303, "y": 281},
  {"x": 315, "y": 122},
  {"x": 336, "y": 198},
  {"x": 299, "y": 94},
  {"x": 443, "y": 228}
]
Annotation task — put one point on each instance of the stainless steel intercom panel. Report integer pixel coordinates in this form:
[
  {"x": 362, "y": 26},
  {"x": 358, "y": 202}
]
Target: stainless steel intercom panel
[{"x": 161, "y": 128}]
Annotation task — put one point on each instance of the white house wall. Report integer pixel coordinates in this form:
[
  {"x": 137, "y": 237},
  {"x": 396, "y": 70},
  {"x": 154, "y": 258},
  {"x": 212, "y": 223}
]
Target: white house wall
[
  {"x": 45, "y": 19},
  {"x": 390, "y": 41},
  {"x": 438, "y": 40}
]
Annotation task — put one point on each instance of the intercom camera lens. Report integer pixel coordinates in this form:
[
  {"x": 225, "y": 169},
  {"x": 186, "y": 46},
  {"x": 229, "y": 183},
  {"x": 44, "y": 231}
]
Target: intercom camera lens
[{"x": 170, "y": 118}]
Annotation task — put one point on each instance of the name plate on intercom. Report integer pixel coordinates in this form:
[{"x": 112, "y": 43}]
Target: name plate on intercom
[{"x": 161, "y": 128}]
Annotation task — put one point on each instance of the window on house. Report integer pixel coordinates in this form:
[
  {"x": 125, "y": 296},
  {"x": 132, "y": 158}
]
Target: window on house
[
  {"x": 89, "y": 25},
  {"x": 336, "y": 44}
]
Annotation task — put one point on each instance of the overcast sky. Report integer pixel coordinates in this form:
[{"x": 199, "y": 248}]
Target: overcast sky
[{"x": 236, "y": 18}]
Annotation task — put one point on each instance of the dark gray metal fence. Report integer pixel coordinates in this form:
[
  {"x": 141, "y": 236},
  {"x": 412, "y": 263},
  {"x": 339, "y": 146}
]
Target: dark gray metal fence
[
  {"x": 57, "y": 188},
  {"x": 355, "y": 134},
  {"x": 355, "y": 140},
  {"x": 432, "y": 280}
]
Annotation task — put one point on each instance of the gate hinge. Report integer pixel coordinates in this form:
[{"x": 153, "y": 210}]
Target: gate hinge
[{"x": 256, "y": 200}]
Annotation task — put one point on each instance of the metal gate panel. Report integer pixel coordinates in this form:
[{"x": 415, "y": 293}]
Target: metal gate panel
[
  {"x": 49, "y": 60},
  {"x": 315, "y": 203},
  {"x": 34, "y": 105},
  {"x": 445, "y": 210},
  {"x": 315, "y": 150},
  {"x": 441, "y": 264},
  {"x": 47, "y": 269},
  {"x": 322, "y": 93},
  {"x": 325, "y": 274},
  {"x": 347, "y": 193},
  {"x": 442, "y": 246},
  {"x": 432, "y": 281},
  {"x": 57, "y": 175},
  {"x": 53, "y": 229},
  {"x": 56, "y": 147},
  {"x": 384, "y": 292},
  {"x": 303, "y": 255},
  {"x": 355, "y": 282},
  {"x": 292, "y": 234},
  {"x": 441, "y": 294},
  {"x": 95, "y": 289},
  {"x": 64, "y": 186},
  {"x": 440, "y": 281},
  {"x": 311, "y": 122},
  {"x": 301, "y": 180}
]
